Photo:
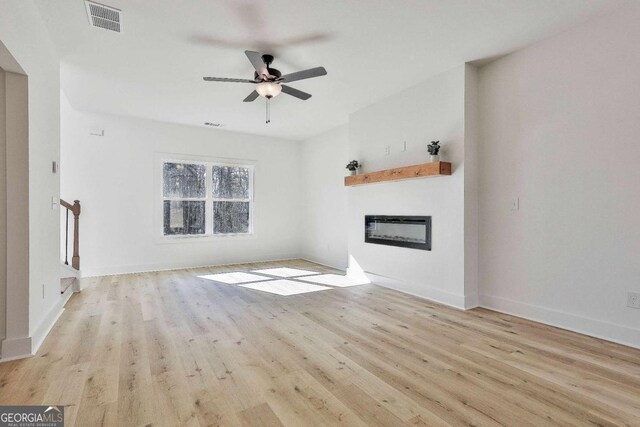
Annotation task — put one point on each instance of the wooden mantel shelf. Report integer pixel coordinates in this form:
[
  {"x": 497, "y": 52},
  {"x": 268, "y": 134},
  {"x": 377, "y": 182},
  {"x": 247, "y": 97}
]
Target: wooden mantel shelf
[{"x": 407, "y": 172}]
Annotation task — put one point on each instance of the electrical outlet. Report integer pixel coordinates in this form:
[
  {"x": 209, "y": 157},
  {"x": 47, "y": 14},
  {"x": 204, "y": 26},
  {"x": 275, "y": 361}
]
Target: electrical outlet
[
  {"x": 404, "y": 146},
  {"x": 515, "y": 204},
  {"x": 387, "y": 150},
  {"x": 633, "y": 299}
]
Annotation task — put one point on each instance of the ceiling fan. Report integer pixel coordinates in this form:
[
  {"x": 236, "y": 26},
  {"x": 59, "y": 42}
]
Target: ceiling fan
[{"x": 269, "y": 81}]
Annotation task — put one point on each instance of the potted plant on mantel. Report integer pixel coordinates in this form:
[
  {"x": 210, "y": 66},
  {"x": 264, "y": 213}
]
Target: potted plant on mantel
[
  {"x": 434, "y": 149},
  {"x": 353, "y": 167}
]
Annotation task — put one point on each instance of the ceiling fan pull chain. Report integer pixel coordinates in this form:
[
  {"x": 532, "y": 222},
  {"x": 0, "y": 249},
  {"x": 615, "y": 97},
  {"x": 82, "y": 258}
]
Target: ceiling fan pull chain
[{"x": 268, "y": 110}]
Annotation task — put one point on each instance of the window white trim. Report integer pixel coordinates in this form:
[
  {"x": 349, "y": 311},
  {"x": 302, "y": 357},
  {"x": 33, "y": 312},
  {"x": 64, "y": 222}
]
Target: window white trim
[{"x": 209, "y": 162}]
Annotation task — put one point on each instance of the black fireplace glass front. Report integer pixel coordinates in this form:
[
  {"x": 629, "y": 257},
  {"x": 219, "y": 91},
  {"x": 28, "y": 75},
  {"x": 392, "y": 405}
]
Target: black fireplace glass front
[{"x": 404, "y": 231}]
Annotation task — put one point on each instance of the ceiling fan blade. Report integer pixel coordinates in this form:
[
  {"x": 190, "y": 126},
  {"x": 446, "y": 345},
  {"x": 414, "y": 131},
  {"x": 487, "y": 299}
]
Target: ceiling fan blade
[
  {"x": 295, "y": 92},
  {"x": 252, "y": 97},
  {"x": 256, "y": 60},
  {"x": 305, "y": 74},
  {"x": 305, "y": 39},
  {"x": 226, "y": 79}
]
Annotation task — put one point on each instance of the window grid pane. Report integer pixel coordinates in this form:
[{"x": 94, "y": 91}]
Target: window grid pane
[
  {"x": 230, "y": 217},
  {"x": 230, "y": 182},
  {"x": 184, "y": 217},
  {"x": 184, "y": 181}
]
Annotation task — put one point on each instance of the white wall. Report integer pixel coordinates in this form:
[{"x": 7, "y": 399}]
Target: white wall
[
  {"x": 324, "y": 217},
  {"x": 3, "y": 207},
  {"x": 38, "y": 303},
  {"x": 471, "y": 187},
  {"x": 432, "y": 110},
  {"x": 117, "y": 181},
  {"x": 560, "y": 129},
  {"x": 17, "y": 214}
]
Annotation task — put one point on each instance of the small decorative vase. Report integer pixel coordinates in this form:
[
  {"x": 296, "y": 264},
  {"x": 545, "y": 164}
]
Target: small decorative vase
[
  {"x": 354, "y": 172},
  {"x": 435, "y": 158}
]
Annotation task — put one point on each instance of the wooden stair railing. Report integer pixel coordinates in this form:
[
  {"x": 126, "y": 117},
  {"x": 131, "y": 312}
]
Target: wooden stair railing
[{"x": 75, "y": 210}]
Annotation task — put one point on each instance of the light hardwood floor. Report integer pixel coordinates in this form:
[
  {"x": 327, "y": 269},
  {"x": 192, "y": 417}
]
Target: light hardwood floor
[{"x": 172, "y": 349}]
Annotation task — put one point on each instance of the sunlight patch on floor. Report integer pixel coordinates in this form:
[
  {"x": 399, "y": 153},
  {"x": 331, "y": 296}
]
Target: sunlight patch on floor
[
  {"x": 285, "y": 287},
  {"x": 335, "y": 280},
  {"x": 285, "y": 272},
  {"x": 235, "y": 277}
]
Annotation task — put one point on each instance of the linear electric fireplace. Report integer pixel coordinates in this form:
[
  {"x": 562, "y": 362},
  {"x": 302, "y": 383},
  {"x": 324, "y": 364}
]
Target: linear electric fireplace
[{"x": 406, "y": 231}]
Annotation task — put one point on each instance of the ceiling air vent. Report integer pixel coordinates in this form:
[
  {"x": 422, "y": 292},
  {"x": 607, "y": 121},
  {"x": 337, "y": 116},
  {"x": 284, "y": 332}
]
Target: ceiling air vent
[{"x": 105, "y": 17}]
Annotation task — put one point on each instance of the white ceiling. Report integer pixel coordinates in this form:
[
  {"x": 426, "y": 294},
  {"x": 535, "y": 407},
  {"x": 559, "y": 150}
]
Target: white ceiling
[{"x": 370, "y": 48}]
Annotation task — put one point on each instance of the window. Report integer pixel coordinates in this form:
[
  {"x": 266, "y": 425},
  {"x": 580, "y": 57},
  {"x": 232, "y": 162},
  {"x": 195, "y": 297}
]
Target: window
[{"x": 206, "y": 198}]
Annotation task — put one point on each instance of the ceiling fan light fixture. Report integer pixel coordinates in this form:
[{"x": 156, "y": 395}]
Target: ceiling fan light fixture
[
  {"x": 267, "y": 80},
  {"x": 268, "y": 89}
]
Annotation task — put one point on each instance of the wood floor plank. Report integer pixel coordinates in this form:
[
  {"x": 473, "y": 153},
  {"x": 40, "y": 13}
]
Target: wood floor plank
[
  {"x": 259, "y": 416},
  {"x": 136, "y": 400},
  {"x": 171, "y": 348},
  {"x": 365, "y": 407},
  {"x": 66, "y": 390}
]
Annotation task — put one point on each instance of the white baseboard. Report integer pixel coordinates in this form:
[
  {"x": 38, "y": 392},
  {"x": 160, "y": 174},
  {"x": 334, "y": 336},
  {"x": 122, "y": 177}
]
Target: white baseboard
[
  {"x": 147, "y": 268},
  {"x": 16, "y": 348},
  {"x": 20, "y": 348},
  {"x": 40, "y": 333},
  {"x": 432, "y": 294},
  {"x": 324, "y": 264},
  {"x": 583, "y": 325}
]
